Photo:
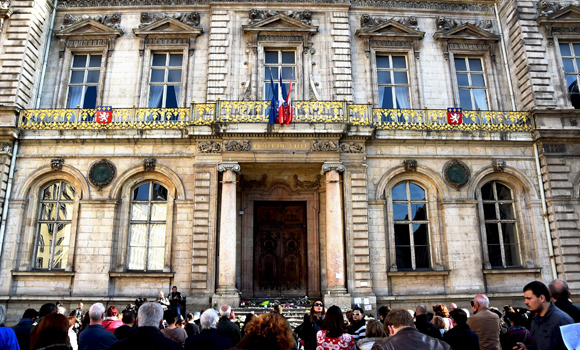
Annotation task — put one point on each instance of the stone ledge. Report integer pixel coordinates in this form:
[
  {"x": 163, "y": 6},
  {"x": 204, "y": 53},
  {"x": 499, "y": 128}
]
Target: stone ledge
[
  {"x": 141, "y": 274},
  {"x": 417, "y": 273},
  {"x": 43, "y": 273},
  {"x": 507, "y": 271}
]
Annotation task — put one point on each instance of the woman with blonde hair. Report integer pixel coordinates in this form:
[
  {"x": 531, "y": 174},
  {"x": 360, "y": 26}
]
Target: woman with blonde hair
[
  {"x": 442, "y": 311},
  {"x": 438, "y": 321},
  {"x": 375, "y": 330}
]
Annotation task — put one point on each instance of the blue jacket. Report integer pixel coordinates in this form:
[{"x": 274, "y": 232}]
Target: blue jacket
[
  {"x": 95, "y": 337},
  {"x": 22, "y": 330},
  {"x": 546, "y": 330},
  {"x": 208, "y": 339},
  {"x": 8, "y": 339}
]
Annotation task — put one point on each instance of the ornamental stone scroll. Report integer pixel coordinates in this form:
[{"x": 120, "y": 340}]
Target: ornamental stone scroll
[
  {"x": 326, "y": 167},
  {"x": 235, "y": 167}
]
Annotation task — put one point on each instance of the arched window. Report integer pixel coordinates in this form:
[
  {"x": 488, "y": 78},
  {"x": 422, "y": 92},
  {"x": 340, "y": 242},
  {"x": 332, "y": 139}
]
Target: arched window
[
  {"x": 501, "y": 233},
  {"x": 411, "y": 226},
  {"x": 147, "y": 227},
  {"x": 54, "y": 226}
]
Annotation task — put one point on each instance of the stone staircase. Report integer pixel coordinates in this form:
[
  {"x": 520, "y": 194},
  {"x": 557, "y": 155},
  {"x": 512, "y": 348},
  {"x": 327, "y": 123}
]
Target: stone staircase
[{"x": 294, "y": 315}]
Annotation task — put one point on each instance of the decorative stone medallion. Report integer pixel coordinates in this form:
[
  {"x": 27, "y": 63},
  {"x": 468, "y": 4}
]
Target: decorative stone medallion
[
  {"x": 456, "y": 173},
  {"x": 102, "y": 173}
]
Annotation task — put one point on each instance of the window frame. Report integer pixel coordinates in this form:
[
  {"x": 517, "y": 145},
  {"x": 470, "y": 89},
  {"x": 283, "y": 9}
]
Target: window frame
[
  {"x": 392, "y": 71},
  {"x": 469, "y": 74},
  {"x": 86, "y": 69},
  {"x": 482, "y": 223},
  {"x": 262, "y": 47},
  {"x": 166, "y": 83},
  {"x": 279, "y": 65},
  {"x": 561, "y": 70}
]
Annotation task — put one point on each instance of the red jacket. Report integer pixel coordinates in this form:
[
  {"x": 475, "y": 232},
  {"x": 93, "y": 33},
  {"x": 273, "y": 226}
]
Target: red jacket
[{"x": 112, "y": 324}]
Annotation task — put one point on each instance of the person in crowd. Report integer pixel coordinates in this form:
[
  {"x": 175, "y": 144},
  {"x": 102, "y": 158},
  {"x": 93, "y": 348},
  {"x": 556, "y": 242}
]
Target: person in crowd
[
  {"x": 95, "y": 337},
  {"x": 173, "y": 332},
  {"x": 404, "y": 336},
  {"x": 374, "y": 331},
  {"x": 423, "y": 325},
  {"x": 23, "y": 328},
  {"x": 8, "y": 340},
  {"x": 181, "y": 323},
  {"x": 460, "y": 337},
  {"x": 311, "y": 324},
  {"x": 333, "y": 335},
  {"x": 442, "y": 311},
  {"x": 127, "y": 328},
  {"x": 269, "y": 331},
  {"x": 440, "y": 324},
  {"x": 358, "y": 326},
  {"x": 46, "y": 309},
  {"x": 208, "y": 338},
  {"x": 383, "y": 311},
  {"x": 85, "y": 322},
  {"x": 163, "y": 301},
  {"x": 51, "y": 333},
  {"x": 484, "y": 323},
  {"x": 226, "y": 327},
  {"x": 517, "y": 332},
  {"x": 249, "y": 317},
  {"x": 78, "y": 313},
  {"x": 560, "y": 293},
  {"x": 190, "y": 327},
  {"x": 452, "y": 307},
  {"x": 61, "y": 310},
  {"x": 112, "y": 322},
  {"x": 277, "y": 309},
  {"x": 72, "y": 336},
  {"x": 348, "y": 318},
  {"x": 175, "y": 299},
  {"x": 147, "y": 335},
  {"x": 546, "y": 324}
]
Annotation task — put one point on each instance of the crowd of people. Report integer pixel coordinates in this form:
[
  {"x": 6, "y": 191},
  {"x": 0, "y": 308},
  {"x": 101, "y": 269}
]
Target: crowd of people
[{"x": 159, "y": 325}]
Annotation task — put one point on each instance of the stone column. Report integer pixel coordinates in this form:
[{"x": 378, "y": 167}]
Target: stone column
[
  {"x": 227, "y": 248},
  {"x": 336, "y": 292}
]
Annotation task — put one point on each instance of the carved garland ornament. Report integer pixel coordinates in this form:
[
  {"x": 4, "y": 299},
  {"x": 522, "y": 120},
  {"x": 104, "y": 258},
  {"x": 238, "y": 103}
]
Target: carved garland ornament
[
  {"x": 111, "y": 21},
  {"x": 307, "y": 184},
  {"x": 149, "y": 164},
  {"x": 56, "y": 164},
  {"x": 209, "y": 147},
  {"x": 352, "y": 147},
  {"x": 237, "y": 146},
  {"x": 456, "y": 173},
  {"x": 260, "y": 15},
  {"x": 191, "y": 19},
  {"x": 324, "y": 146},
  {"x": 368, "y": 21},
  {"x": 102, "y": 173}
]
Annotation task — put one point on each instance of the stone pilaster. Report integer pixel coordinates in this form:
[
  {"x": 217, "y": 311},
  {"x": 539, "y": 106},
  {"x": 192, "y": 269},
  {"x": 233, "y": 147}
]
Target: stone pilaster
[{"x": 218, "y": 57}]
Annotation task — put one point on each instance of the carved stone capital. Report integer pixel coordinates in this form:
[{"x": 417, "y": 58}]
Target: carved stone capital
[
  {"x": 111, "y": 21},
  {"x": 352, "y": 147},
  {"x": 149, "y": 164},
  {"x": 326, "y": 167},
  {"x": 209, "y": 147},
  {"x": 235, "y": 167},
  {"x": 410, "y": 164},
  {"x": 56, "y": 164},
  {"x": 237, "y": 146},
  {"x": 498, "y": 164},
  {"x": 324, "y": 146}
]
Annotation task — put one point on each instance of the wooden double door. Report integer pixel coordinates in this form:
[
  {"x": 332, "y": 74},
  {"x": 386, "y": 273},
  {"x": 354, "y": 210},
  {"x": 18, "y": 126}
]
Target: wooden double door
[{"x": 280, "y": 249}]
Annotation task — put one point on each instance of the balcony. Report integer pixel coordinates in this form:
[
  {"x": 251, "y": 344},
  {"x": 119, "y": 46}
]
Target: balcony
[{"x": 325, "y": 112}]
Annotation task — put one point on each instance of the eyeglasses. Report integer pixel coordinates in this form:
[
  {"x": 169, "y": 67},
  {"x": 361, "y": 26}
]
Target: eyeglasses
[
  {"x": 356, "y": 314},
  {"x": 318, "y": 304}
]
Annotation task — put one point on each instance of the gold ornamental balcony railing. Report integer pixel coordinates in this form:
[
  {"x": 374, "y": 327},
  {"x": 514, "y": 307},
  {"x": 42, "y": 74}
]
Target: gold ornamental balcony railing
[{"x": 325, "y": 112}]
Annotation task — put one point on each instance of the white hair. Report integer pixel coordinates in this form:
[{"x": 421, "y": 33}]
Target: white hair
[
  {"x": 225, "y": 310},
  {"x": 482, "y": 300},
  {"x": 209, "y": 319},
  {"x": 96, "y": 311},
  {"x": 150, "y": 315},
  {"x": 62, "y": 310}
]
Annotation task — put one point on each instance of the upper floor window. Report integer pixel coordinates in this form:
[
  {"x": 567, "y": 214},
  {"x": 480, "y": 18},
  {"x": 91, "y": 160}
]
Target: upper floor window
[
  {"x": 54, "y": 226},
  {"x": 393, "y": 81},
  {"x": 411, "y": 226},
  {"x": 147, "y": 227},
  {"x": 570, "y": 60},
  {"x": 84, "y": 81},
  {"x": 276, "y": 62},
  {"x": 500, "y": 225},
  {"x": 471, "y": 83},
  {"x": 165, "y": 80}
]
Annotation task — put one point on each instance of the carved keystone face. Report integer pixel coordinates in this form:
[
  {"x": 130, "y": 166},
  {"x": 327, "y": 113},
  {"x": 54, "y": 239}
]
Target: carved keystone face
[
  {"x": 146, "y": 17},
  {"x": 254, "y": 14},
  {"x": 116, "y": 18},
  {"x": 440, "y": 21},
  {"x": 307, "y": 14}
]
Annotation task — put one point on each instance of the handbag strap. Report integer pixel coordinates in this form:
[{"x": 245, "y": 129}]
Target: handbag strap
[{"x": 169, "y": 334}]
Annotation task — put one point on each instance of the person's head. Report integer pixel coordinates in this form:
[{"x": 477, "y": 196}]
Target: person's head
[
  {"x": 150, "y": 315},
  {"x": 358, "y": 314},
  {"x": 96, "y": 313},
  {"x": 161, "y": 295},
  {"x": 334, "y": 322},
  {"x": 30, "y": 313},
  {"x": 452, "y": 307},
  {"x": 458, "y": 317},
  {"x": 398, "y": 319},
  {"x": 383, "y": 311},
  {"x": 537, "y": 296},
  {"x": 349, "y": 315},
  {"x": 71, "y": 321},
  {"x": 317, "y": 309},
  {"x": 249, "y": 318},
  {"x": 81, "y": 305},
  {"x": 189, "y": 317},
  {"x": 209, "y": 319},
  {"x": 112, "y": 311},
  {"x": 559, "y": 290},
  {"x": 514, "y": 318},
  {"x": 46, "y": 309},
  {"x": 174, "y": 289},
  {"x": 272, "y": 327},
  {"x": 2, "y": 315},
  {"x": 440, "y": 310},
  {"x": 225, "y": 311},
  {"x": 128, "y": 318},
  {"x": 61, "y": 310},
  {"x": 421, "y": 310},
  {"x": 170, "y": 316},
  {"x": 277, "y": 309},
  {"x": 51, "y": 330},
  {"x": 479, "y": 302},
  {"x": 180, "y": 321},
  {"x": 375, "y": 329},
  {"x": 438, "y": 321}
]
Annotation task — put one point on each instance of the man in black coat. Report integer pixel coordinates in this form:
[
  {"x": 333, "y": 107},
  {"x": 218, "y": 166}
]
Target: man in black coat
[
  {"x": 190, "y": 327},
  {"x": 22, "y": 329},
  {"x": 209, "y": 338},
  {"x": 147, "y": 336},
  {"x": 561, "y": 295},
  {"x": 423, "y": 325},
  {"x": 227, "y": 327},
  {"x": 460, "y": 337}
]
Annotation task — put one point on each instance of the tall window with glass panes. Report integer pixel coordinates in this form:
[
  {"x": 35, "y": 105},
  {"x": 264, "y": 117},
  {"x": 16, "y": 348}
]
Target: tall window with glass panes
[
  {"x": 393, "y": 81},
  {"x": 84, "y": 81},
  {"x": 165, "y": 80},
  {"x": 279, "y": 63},
  {"x": 471, "y": 83},
  {"x": 570, "y": 53}
]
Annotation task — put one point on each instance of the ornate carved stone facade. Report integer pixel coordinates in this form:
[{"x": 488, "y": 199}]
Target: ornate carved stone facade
[{"x": 112, "y": 21}]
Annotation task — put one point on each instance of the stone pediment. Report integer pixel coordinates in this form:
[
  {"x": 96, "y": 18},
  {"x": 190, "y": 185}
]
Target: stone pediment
[
  {"x": 168, "y": 27},
  {"x": 466, "y": 31},
  {"x": 390, "y": 29},
  {"x": 88, "y": 28},
  {"x": 279, "y": 24},
  {"x": 565, "y": 21}
]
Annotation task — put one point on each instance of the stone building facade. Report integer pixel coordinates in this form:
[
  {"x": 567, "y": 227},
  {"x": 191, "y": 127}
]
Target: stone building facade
[{"x": 371, "y": 196}]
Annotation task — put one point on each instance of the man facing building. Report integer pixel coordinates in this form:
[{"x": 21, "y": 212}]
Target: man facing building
[
  {"x": 95, "y": 337},
  {"x": 423, "y": 325},
  {"x": 484, "y": 323},
  {"x": 561, "y": 295},
  {"x": 227, "y": 327}
]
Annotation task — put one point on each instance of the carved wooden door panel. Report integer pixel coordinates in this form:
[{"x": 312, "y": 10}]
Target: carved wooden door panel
[{"x": 280, "y": 249}]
